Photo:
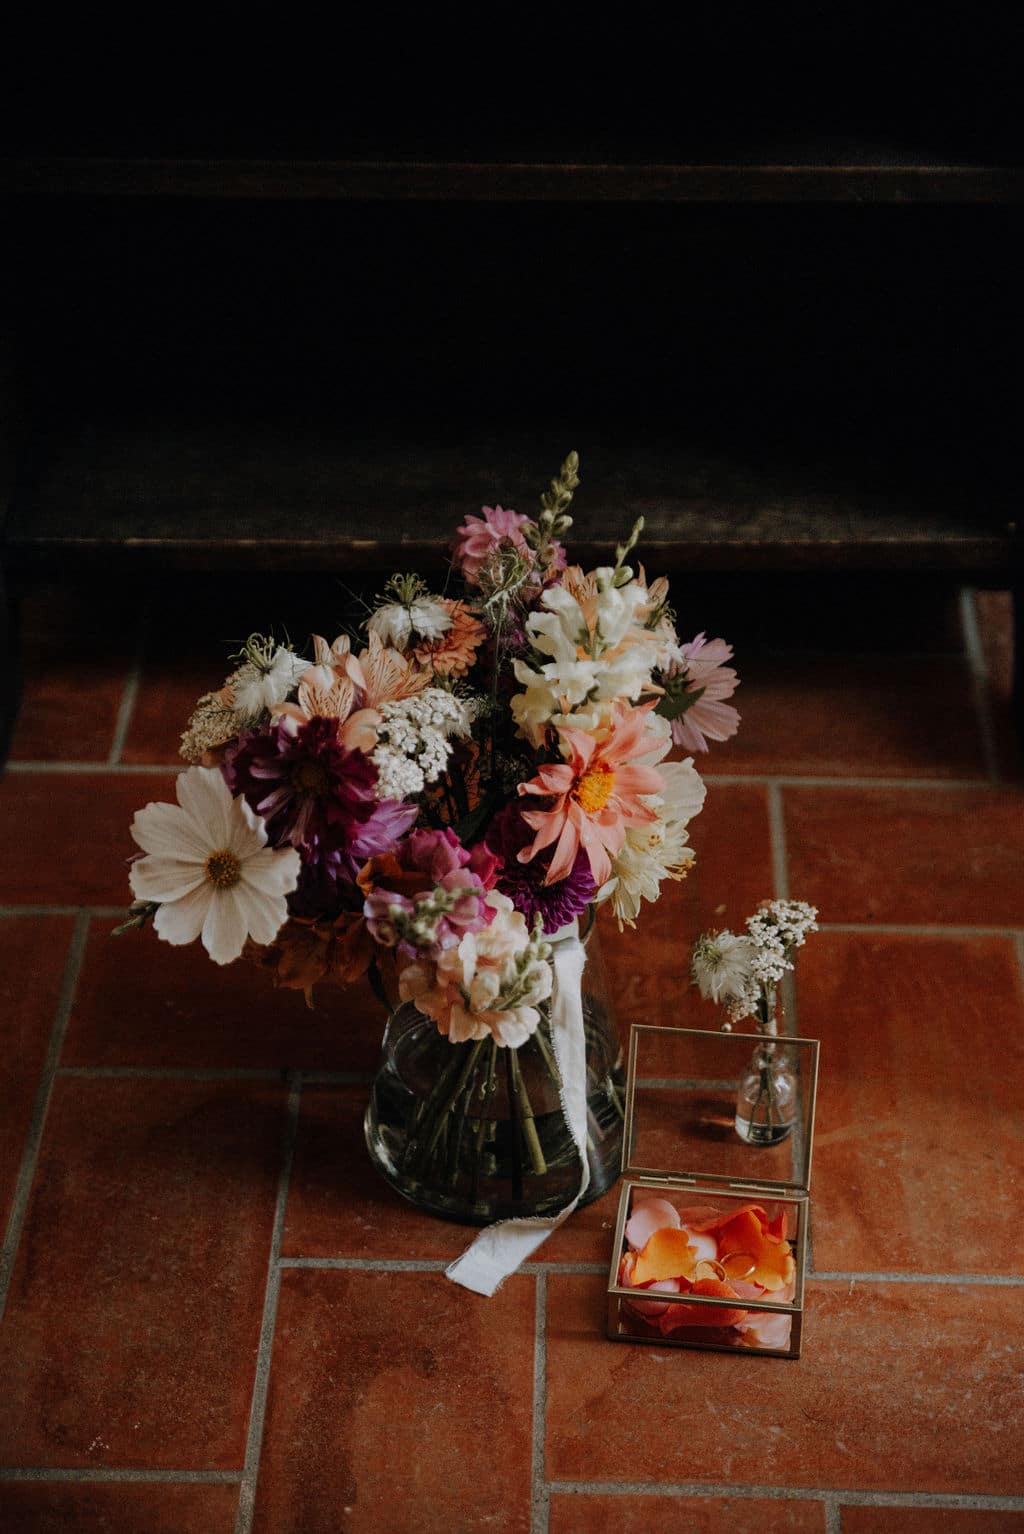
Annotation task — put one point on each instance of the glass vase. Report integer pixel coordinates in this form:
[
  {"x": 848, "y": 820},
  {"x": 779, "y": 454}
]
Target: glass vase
[
  {"x": 768, "y": 1099},
  {"x": 475, "y": 1132}
]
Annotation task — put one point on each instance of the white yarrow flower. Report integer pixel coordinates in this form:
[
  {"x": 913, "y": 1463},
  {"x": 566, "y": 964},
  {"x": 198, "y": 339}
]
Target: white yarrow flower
[
  {"x": 413, "y": 740},
  {"x": 208, "y": 866}
]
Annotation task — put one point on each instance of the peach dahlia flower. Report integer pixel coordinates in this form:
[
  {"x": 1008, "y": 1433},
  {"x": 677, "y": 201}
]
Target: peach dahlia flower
[{"x": 597, "y": 794}]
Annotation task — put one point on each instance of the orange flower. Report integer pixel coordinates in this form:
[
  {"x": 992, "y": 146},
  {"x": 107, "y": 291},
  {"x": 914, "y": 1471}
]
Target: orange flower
[
  {"x": 306, "y": 952},
  {"x": 455, "y": 651},
  {"x": 597, "y": 793}
]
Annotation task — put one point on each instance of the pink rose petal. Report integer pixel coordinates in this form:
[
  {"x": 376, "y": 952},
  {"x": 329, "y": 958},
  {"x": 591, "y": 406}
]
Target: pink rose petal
[{"x": 653, "y": 1214}]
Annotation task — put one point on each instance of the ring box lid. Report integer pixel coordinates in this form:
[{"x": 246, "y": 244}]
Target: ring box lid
[{"x": 681, "y": 1087}]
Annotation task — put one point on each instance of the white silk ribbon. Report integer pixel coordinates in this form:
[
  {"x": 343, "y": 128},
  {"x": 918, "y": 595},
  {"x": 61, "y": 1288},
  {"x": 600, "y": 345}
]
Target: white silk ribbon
[{"x": 497, "y": 1251}]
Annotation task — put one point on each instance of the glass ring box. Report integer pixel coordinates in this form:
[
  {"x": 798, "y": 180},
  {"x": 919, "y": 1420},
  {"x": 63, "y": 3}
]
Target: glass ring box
[{"x": 710, "y": 1241}]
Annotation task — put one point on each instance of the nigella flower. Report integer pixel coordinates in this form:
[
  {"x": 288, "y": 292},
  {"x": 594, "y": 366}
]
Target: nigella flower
[
  {"x": 312, "y": 791},
  {"x": 523, "y": 883},
  {"x": 722, "y": 967},
  {"x": 479, "y": 538}
]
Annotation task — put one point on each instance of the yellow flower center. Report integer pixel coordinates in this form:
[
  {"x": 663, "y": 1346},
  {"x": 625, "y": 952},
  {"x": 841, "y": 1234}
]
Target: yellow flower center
[
  {"x": 594, "y": 789},
  {"x": 223, "y": 869},
  {"x": 310, "y": 780}
]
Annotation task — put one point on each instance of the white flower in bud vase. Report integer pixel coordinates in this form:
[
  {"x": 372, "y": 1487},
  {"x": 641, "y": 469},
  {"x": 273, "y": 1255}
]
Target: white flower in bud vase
[
  {"x": 723, "y": 966},
  {"x": 209, "y": 868}
]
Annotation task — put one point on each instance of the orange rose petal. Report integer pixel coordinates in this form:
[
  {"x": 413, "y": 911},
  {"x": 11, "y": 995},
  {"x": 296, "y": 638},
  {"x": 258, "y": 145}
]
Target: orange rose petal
[
  {"x": 748, "y": 1232},
  {"x": 666, "y": 1255},
  {"x": 704, "y": 1315}
]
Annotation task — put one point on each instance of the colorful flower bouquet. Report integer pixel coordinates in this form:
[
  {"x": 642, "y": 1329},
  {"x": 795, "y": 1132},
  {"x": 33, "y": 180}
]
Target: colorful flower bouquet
[{"x": 436, "y": 804}]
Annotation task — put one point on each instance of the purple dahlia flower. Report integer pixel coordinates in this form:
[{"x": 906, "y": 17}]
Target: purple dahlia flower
[
  {"x": 311, "y": 790},
  {"x": 523, "y": 883}
]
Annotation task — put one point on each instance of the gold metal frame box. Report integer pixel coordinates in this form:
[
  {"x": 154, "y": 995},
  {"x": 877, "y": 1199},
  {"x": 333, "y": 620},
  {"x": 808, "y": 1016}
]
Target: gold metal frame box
[{"x": 710, "y": 1245}]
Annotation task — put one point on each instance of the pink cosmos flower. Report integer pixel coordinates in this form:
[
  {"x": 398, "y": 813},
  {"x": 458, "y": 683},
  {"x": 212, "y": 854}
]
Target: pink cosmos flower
[
  {"x": 597, "y": 794},
  {"x": 478, "y": 538},
  {"x": 702, "y": 671}
]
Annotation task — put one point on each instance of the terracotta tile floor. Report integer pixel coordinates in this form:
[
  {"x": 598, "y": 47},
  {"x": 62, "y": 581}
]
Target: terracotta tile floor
[{"x": 216, "y": 1318}]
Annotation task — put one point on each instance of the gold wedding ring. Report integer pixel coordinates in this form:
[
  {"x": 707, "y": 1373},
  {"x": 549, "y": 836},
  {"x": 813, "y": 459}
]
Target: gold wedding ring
[
  {"x": 709, "y": 1269},
  {"x": 738, "y": 1265}
]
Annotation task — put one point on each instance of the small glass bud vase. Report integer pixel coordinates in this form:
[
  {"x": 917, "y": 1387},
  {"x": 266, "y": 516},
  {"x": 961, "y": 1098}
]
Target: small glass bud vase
[{"x": 768, "y": 1097}]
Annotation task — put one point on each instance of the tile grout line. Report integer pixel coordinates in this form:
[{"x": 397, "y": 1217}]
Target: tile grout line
[
  {"x": 833, "y": 1516},
  {"x": 109, "y": 769},
  {"x": 981, "y": 695},
  {"x": 424, "y": 1265},
  {"x": 107, "y": 912},
  {"x": 882, "y": 929},
  {"x": 539, "y": 1500},
  {"x": 129, "y": 697},
  {"x": 777, "y": 836},
  {"x": 215, "y": 1073},
  {"x": 257, "y": 1411},
  {"x": 841, "y": 780},
  {"x": 990, "y": 1280},
  {"x": 917, "y": 929},
  {"x": 438, "y": 1265},
  {"x": 826, "y": 1494},
  {"x": 89, "y": 1473},
  {"x": 33, "y": 1139}
]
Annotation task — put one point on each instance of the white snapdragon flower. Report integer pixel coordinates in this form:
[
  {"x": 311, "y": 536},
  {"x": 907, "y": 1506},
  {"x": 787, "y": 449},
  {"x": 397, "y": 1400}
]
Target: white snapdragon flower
[{"x": 590, "y": 661}]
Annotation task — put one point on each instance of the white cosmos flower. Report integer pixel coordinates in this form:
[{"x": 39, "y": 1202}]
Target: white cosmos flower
[{"x": 210, "y": 869}]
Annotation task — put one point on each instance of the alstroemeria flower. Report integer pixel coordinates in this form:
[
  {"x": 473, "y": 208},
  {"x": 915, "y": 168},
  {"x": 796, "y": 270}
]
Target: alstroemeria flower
[{"x": 739, "y": 1254}]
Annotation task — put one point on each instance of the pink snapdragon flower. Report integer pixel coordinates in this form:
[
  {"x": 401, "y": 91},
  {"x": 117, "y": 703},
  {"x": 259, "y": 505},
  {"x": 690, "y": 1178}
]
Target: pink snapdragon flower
[{"x": 425, "y": 896}]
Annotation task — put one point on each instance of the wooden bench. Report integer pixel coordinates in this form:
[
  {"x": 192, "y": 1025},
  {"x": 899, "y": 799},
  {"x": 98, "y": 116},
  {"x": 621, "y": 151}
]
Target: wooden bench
[{"x": 323, "y": 364}]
